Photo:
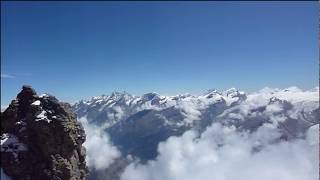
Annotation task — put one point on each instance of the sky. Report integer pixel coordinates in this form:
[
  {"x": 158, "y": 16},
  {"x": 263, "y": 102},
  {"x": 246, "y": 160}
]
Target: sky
[{"x": 75, "y": 50}]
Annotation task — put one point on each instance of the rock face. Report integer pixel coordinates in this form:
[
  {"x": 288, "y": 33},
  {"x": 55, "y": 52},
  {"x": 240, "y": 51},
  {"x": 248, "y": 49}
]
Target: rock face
[{"x": 41, "y": 139}]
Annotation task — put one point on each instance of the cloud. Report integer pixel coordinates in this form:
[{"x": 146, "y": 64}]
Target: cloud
[
  {"x": 275, "y": 104},
  {"x": 15, "y": 75},
  {"x": 190, "y": 111},
  {"x": 100, "y": 151},
  {"x": 255, "y": 150},
  {"x": 118, "y": 112},
  {"x": 224, "y": 153},
  {"x": 7, "y": 76}
]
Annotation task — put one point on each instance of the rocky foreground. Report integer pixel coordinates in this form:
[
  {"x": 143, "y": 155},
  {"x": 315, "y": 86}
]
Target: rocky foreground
[{"x": 41, "y": 139}]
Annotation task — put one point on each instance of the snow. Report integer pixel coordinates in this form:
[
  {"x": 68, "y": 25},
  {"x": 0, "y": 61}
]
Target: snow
[
  {"x": 4, "y": 138},
  {"x": 11, "y": 144},
  {"x": 21, "y": 123},
  {"x": 43, "y": 95},
  {"x": 36, "y": 103},
  {"x": 102, "y": 107},
  {"x": 43, "y": 117},
  {"x": 192, "y": 106},
  {"x": 292, "y": 94},
  {"x": 7, "y": 139}
]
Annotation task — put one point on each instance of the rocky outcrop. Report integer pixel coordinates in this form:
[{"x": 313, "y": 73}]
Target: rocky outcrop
[{"x": 41, "y": 139}]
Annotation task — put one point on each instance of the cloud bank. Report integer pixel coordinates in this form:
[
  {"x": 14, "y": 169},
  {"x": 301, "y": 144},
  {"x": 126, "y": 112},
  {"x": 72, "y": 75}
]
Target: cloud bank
[
  {"x": 223, "y": 153},
  {"x": 262, "y": 135},
  {"x": 100, "y": 151}
]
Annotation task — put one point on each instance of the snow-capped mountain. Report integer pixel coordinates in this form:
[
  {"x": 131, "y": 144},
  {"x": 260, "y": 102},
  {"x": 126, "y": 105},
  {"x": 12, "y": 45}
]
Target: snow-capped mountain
[
  {"x": 124, "y": 130},
  {"x": 136, "y": 124},
  {"x": 108, "y": 110}
]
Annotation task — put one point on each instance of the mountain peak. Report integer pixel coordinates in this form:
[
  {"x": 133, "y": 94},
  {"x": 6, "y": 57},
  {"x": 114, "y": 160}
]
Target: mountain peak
[
  {"x": 41, "y": 139},
  {"x": 233, "y": 92},
  {"x": 117, "y": 94},
  {"x": 211, "y": 91},
  {"x": 292, "y": 89},
  {"x": 150, "y": 96},
  {"x": 27, "y": 95}
]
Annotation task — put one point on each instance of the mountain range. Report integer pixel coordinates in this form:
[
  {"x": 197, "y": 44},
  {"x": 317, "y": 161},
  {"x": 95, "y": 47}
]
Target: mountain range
[
  {"x": 128, "y": 136},
  {"x": 137, "y": 124}
]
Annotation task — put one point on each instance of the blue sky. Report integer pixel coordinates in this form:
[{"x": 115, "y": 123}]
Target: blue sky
[{"x": 81, "y": 49}]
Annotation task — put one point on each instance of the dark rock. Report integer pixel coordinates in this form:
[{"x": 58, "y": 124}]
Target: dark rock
[{"x": 41, "y": 139}]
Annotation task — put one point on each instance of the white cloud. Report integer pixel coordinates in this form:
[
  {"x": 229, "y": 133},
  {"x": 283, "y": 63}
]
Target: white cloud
[
  {"x": 10, "y": 76},
  {"x": 223, "y": 153},
  {"x": 190, "y": 111},
  {"x": 292, "y": 94},
  {"x": 100, "y": 151},
  {"x": 118, "y": 112},
  {"x": 301, "y": 102},
  {"x": 7, "y": 76}
]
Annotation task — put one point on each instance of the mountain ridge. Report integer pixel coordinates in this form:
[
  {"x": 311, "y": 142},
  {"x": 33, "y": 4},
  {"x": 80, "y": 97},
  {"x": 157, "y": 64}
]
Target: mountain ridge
[{"x": 154, "y": 117}]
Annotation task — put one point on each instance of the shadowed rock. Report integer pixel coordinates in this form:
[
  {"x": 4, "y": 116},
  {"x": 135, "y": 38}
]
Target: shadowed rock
[{"x": 41, "y": 139}]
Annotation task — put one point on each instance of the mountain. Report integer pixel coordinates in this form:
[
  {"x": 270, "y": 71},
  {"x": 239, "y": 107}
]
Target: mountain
[
  {"x": 108, "y": 110},
  {"x": 137, "y": 124},
  {"x": 41, "y": 139}
]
